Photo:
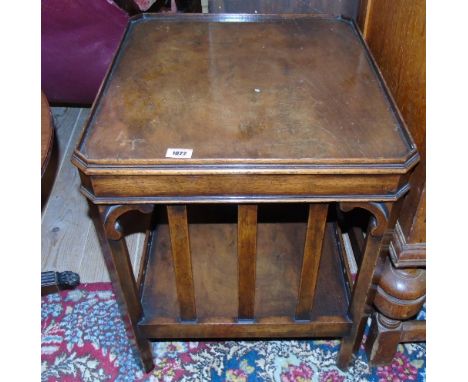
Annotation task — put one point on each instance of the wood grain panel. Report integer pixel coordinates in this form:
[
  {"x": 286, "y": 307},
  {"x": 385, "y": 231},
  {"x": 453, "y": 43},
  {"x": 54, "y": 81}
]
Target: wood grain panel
[
  {"x": 259, "y": 89},
  {"x": 244, "y": 185},
  {"x": 395, "y": 31}
]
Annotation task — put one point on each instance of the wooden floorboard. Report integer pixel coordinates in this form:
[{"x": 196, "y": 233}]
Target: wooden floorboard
[{"x": 69, "y": 240}]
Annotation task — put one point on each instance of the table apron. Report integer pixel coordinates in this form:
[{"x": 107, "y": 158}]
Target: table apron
[{"x": 375, "y": 187}]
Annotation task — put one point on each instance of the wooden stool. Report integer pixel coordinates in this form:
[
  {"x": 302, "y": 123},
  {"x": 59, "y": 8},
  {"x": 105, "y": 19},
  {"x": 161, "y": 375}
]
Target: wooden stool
[{"x": 243, "y": 135}]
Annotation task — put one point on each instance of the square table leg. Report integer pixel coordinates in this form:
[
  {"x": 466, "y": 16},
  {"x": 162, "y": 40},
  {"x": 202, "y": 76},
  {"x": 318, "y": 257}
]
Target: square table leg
[
  {"x": 117, "y": 259},
  {"x": 372, "y": 260}
]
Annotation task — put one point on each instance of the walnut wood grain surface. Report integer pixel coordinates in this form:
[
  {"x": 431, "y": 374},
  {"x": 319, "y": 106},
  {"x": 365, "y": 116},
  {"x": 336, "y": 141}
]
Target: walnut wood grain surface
[
  {"x": 395, "y": 31},
  {"x": 243, "y": 89}
]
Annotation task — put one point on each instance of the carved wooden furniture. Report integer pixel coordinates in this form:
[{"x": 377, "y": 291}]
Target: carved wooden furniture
[
  {"x": 290, "y": 123},
  {"x": 400, "y": 290},
  {"x": 396, "y": 33},
  {"x": 400, "y": 295}
]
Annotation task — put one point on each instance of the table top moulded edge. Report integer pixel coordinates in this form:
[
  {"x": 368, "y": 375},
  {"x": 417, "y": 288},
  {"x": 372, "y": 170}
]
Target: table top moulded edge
[{"x": 383, "y": 166}]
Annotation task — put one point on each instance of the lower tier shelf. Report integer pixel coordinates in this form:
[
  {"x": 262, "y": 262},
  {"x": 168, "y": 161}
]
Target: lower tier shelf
[{"x": 213, "y": 244}]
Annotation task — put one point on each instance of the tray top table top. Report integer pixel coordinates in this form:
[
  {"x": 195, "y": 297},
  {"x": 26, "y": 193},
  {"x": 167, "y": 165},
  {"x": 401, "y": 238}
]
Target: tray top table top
[{"x": 245, "y": 90}]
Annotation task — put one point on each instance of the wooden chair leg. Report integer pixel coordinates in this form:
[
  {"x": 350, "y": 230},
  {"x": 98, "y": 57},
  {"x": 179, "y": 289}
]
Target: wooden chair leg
[
  {"x": 400, "y": 295},
  {"x": 383, "y": 339},
  {"x": 118, "y": 263}
]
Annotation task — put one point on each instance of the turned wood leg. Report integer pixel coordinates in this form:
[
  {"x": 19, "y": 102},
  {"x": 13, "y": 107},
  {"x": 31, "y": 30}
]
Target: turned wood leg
[
  {"x": 400, "y": 295},
  {"x": 383, "y": 339},
  {"x": 359, "y": 309},
  {"x": 118, "y": 263}
]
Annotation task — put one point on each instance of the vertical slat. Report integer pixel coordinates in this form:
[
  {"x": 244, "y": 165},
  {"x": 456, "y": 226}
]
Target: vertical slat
[
  {"x": 311, "y": 259},
  {"x": 178, "y": 228},
  {"x": 246, "y": 252}
]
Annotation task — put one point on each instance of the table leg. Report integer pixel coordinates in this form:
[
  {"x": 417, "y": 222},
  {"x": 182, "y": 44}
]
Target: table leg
[
  {"x": 118, "y": 263},
  {"x": 362, "y": 294}
]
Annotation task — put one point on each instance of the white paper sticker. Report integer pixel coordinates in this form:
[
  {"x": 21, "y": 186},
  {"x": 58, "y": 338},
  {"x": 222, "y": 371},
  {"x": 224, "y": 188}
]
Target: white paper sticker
[{"x": 179, "y": 153}]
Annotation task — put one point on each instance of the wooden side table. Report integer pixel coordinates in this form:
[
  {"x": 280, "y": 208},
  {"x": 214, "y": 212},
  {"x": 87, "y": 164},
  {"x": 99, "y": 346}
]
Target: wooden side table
[{"x": 245, "y": 137}]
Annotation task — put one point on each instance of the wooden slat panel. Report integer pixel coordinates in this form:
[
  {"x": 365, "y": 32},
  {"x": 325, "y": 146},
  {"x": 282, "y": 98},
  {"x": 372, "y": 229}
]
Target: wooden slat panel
[
  {"x": 247, "y": 252},
  {"x": 311, "y": 260},
  {"x": 395, "y": 31},
  {"x": 178, "y": 227}
]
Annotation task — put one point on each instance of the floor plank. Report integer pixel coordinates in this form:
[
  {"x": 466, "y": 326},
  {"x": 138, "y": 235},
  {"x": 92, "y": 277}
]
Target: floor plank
[{"x": 69, "y": 240}]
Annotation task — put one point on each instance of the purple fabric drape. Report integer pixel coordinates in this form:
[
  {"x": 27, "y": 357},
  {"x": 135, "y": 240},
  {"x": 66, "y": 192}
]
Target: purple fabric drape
[{"x": 79, "y": 39}]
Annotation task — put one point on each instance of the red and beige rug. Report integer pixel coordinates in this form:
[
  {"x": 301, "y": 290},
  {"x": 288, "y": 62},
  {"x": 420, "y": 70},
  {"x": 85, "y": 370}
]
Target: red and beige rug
[{"x": 84, "y": 339}]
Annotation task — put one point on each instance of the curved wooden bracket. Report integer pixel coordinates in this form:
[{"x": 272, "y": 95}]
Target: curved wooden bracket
[
  {"x": 379, "y": 211},
  {"x": 111, "y": 215}
]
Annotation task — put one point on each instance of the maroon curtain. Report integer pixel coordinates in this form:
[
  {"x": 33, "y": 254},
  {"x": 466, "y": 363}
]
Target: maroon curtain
[{"x": 79, "y": 38}]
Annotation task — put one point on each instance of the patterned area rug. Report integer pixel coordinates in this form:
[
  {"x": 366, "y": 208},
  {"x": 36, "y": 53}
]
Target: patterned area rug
[{"x": 84, "y": 339}]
